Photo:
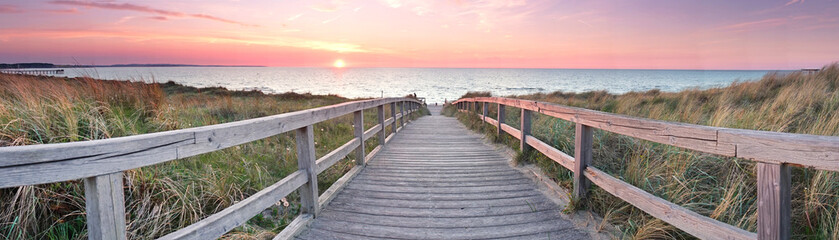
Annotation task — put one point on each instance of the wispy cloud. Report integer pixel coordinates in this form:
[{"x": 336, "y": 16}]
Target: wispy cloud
[
  {"x": 754, "y": 24},
  {"x": 329, "y": 6},
  {"x": 575, "y": 15},
  {"x": 69, "y": 10},
  {"x": 331, "y": 19},
  {"x": 295, "y": 17},
  {"x": 246, "y": 39},
  {"x": 9, "y": 9},
  {"x": 791, "y": 2},
  {"x": 146, "y": 9}
]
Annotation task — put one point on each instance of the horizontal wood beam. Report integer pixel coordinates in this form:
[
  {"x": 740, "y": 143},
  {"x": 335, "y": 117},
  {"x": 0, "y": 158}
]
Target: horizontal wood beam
[
  {"x": 37, "y": 164},
  {"x": 697, "y": 225},
  {"x": 222, "y": 222},
  {"x": 819, "y": 152}
]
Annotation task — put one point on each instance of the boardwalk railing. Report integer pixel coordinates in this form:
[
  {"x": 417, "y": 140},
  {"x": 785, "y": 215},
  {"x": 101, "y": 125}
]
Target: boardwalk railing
[
  {"x": 774, "y": 152},
  {"x": 101, "y": 163}
]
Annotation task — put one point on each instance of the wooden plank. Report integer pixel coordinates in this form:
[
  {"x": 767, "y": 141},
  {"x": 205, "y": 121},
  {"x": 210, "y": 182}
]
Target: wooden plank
[
  {"x": 336, "y": 155},
  {"x": 373, "y": 131},
  {"x": 690, "y": 136},
  {"x": 697, "y": 225},
  {"x": 524, "y": 130},
  {"x": 820, "y": 152},
  {"x": 339, "y": 185},
  {"x": 491, "y": 121},
  {"x": 306, "y": 162},
  {"x": 510, "y": 130},
  {"x": 105, "y": 205},
  {"x": 36, "y": 164},
  {"x": 373, "y": 153},
  {"x": 295, "y": 227},
  {"x": 486, "y": 111},
  {"x": 393, "y": 116},
  {"x": 558, "y": 156},
  {"x": 358, "y": 125},
  {"x": 500, "y": 118},
  {"x": 222, "y": 222},
  {"x": 380, "y": 114},
  {"x": 582, "y": 158},
  {"x": 773, "y": 201},
  {"x": 401, "y": 113}
]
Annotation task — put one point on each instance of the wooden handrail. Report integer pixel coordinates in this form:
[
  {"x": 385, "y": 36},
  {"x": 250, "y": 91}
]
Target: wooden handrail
[
  {"x": 773, "y": 151},
  {"x": 101, "y": 163}
]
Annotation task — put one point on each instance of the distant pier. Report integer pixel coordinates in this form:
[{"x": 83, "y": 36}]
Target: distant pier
[{"x": 33, "y": 71}]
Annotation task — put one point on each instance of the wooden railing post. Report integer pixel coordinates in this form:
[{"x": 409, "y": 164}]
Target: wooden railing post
[
  {"x": 582, "y": 158},
  {"x": 402, "y": 121},
  {"x": 500, "y": 118},
  {"x": 525, "y": 130},
  {"x": 306, "y": 161},
  {"x": 393, "y": 117},
  {"x": 358, "y": 124},
  {"x": 773, "y": 201},
  {"x": 381, "y": 115},
  {"x": 485, "y": 108},
  {"x": 105, "y": 205}
]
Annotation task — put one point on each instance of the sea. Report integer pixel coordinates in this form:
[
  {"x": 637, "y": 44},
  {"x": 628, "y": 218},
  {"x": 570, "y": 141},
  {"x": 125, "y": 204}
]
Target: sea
[{"x": 436, "y": 85}]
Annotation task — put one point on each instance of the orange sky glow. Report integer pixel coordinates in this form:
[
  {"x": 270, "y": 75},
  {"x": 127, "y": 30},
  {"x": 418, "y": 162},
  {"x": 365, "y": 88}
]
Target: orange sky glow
[{"x": 644, "y": 34}]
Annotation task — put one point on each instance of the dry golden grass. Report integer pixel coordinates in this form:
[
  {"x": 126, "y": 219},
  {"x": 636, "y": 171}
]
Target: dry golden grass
[
  {"x": 719, "y": 187},
  {"x": 164, "y": 197}
]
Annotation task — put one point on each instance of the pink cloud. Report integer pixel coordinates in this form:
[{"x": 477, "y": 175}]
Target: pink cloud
[
  {"x": 791, "y": 2},
  {"x": 70, "y": 10},
  {"x": 9, "y": 9},
  {"x": 146, "y": 9},
  {"x": 753, "y": 24}
]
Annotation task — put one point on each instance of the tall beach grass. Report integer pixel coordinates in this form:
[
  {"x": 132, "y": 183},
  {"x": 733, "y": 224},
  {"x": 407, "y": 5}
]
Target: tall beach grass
[
  {"x": 162, "y": 198},
  {"x": 719, "y": 187}
]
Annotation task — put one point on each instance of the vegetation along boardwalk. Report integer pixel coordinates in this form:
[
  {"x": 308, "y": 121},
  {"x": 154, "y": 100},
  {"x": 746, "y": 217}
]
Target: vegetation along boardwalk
[{"x": 436, "y": 180}]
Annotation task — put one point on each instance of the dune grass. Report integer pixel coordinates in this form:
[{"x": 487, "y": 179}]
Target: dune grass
[
  {"x": 719, "y": 187},
  {"x": 164, "y": 197}
]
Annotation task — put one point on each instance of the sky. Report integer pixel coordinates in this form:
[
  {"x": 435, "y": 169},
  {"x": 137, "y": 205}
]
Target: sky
[{"x": 638, "y": 34}]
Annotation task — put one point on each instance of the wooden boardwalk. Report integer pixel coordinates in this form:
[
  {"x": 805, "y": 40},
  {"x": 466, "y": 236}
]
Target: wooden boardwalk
[{"x": 438, "y": 180}]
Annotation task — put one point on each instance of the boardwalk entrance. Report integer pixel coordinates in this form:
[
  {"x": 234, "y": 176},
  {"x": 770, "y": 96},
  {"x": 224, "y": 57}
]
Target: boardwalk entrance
[{"x": 437, "y": 180}]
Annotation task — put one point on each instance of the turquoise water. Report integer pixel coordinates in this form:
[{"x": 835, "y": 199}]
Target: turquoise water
[{"x": 436, "y": 84}]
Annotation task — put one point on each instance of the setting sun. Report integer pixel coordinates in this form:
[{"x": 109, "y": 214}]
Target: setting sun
[{"x": 339, "y": 63}]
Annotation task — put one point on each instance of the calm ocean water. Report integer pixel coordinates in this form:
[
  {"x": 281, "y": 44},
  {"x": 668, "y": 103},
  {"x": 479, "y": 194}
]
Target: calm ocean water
[{"x": 436, "y": 84}]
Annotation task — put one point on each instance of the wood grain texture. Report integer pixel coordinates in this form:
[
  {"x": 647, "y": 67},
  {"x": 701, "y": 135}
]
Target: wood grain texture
[
  {"x": 773, "y": 201},
  {"x": 558, "y": 156},
  {"x": 222, "y": 222},
  {"x": 697, "y": 225},
  {"x": 512, "y": 131},
  {"x": 500, "y": 117},
  {"x": 436, "y": 180},
  {"x": 336, "y": 155},
  {"x": 524, "y": 130},
  {"x": 306, "y": 162},
  {"x": 295, "y": 227},
  {"x": 37, "y": 164},
  {"x": 582, "y": 158},
  {"x": 358, "y": 129},
  {"x": 820, "y": 152},
  {"x": 485, "y": 108},
  {"x": 105, "y": 205},
  {"x": 380, "y": 115}
]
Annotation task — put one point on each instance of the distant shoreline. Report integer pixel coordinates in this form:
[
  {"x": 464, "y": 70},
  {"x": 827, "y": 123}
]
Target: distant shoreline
[{"x": 50, "y": 65}]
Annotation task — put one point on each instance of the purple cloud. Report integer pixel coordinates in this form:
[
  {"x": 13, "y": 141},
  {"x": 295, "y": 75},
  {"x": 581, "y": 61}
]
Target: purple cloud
[{"x": 146, "y": 9}]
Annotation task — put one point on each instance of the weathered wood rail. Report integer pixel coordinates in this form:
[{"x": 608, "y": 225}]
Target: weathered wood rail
[
  {"x": 774, "y": 153},
  {"x": 101, "y": 164}
]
